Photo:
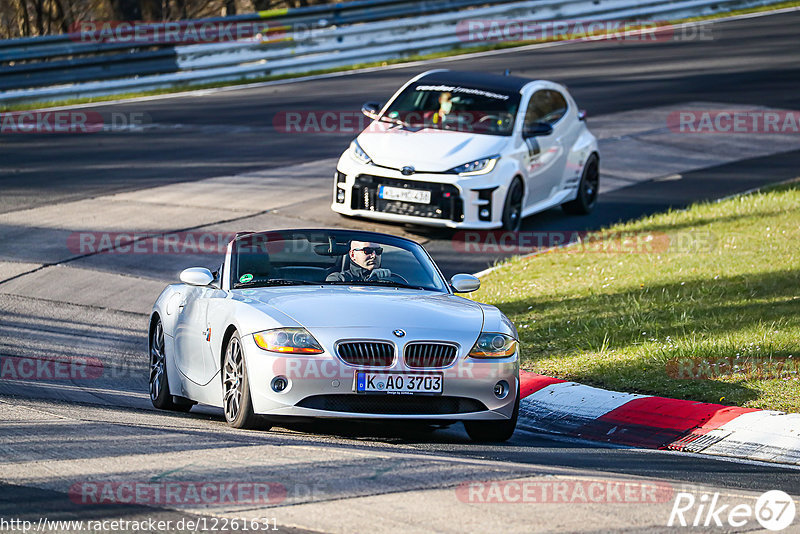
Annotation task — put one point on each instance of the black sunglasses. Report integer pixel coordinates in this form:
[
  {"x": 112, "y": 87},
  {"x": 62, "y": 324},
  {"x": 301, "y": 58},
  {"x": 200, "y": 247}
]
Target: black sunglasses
[{"x": 370, "y": 250}]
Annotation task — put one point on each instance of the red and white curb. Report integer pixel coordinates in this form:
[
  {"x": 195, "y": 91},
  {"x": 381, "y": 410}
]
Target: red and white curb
[{"x": 572, "y": 409}]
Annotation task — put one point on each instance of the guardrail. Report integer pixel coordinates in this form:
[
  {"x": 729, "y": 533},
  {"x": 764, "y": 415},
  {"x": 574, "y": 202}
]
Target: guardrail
[{"x": 288, "y": 41}]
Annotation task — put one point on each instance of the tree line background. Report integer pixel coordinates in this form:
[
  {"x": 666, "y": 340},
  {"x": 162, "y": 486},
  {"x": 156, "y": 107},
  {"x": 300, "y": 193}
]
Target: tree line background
[{"x": 24, "y": 18}]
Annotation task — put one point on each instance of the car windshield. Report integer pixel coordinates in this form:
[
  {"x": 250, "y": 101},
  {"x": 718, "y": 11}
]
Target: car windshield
[
  {"x": 455, "y": 107},
  {"x": 331, "y": 257}
]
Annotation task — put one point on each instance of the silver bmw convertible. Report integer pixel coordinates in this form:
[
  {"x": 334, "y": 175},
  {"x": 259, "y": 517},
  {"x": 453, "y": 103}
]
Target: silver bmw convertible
[{"x": 333, "y": 324}]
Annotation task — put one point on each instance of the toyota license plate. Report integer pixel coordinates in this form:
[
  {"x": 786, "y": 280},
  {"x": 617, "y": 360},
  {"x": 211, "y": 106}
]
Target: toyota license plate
[
  {"x": 417, "y": 196},
  {"x": 407, "y": 383}
]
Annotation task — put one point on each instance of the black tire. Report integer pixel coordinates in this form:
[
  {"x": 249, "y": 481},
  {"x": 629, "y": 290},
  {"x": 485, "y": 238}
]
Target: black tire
[
  {"x": 493, "y": 431},
  {"x": 512, "y": 207},
  {"x": 588, "y": 187},
  {"x": 159, "y": 383},
  {"x": 236, "y": 400}
]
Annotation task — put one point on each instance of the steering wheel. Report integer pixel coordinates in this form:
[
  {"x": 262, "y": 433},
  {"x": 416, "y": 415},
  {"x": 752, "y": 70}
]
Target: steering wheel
[
  {"x": 487, "y": 118},
  {"x": 494, "y": 122}
]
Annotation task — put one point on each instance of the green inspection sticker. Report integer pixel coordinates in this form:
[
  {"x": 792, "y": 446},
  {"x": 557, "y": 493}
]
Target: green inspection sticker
[{"x": 245, "y": 278}]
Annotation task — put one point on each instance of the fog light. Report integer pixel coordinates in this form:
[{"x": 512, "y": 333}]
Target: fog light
[
  {"x": 501, "y": 389},
  {"x": 485, "y": 203},
  {"x": 279, "y": 383},
  {"x": 340, "y": 196}
]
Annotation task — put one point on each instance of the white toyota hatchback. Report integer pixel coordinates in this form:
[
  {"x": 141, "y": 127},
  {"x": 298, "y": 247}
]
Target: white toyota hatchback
[{"x": 469, "y": 150}]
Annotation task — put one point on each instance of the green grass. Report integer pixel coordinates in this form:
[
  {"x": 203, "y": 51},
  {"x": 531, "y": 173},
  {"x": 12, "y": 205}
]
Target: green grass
[
  {"x": 722, "y": 280},
  {"x": 449, "y": 53}
]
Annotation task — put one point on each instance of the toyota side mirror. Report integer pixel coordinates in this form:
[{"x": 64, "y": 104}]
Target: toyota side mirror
[
  {"x": 537, "y": 129},
  {"x": 464, "y": 283},
  {"x": 371, "y": 109},
  {"x": 197, "y": 276}
]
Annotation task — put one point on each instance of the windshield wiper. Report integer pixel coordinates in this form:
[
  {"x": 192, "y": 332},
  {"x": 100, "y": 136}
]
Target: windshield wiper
[
  {"x": 274, "y": 282},
  {"x": 374, "y": 281},
  {"x": 407, "y": 125},
  {"x": 399, "y": 122}
]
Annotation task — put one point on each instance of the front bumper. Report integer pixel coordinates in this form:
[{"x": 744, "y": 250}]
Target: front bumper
[
  {"x": 324, "y": 386},
  {"x": 456, "y": 201}
]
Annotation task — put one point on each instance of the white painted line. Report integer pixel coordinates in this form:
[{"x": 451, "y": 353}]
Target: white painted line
[
  {"x": 729, "y": 459},
  {"x": 488, "y": 53},
  {"x": 72, "y": 386}
]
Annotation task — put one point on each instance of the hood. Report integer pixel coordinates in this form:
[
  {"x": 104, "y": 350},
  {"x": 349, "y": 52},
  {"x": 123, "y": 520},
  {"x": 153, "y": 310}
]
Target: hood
[
  {"x": 345, "y": 307},
  {"x": 428, "y": 149}
]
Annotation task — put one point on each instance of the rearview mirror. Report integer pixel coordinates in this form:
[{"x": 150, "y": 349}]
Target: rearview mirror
[
  {"x": 197, "y": 276},
  {"x": 464, "y": 283},
  {"x": 537, "y": 129},
  {"x": 371, "y": 109}
]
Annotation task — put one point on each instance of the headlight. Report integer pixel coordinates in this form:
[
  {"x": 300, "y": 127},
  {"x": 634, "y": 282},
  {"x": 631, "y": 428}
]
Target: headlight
[
  {"x": 479, "y": 166},
  {"x": 492, "y": 345},
  {"x": 358, "y": 153},
  {"x": 288, "y": 341}
]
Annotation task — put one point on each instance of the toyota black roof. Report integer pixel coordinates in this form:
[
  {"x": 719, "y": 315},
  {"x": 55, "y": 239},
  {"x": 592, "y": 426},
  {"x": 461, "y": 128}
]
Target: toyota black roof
[{"x": 478, "y": 80}]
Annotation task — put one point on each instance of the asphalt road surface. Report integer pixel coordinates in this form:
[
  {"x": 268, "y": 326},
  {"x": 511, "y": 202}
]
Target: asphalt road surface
[{"x": 57, "y": 437}]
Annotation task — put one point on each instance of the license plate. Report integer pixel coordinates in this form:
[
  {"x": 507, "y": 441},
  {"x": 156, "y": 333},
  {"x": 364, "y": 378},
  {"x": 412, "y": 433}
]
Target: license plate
[
  {"x": 417, "y": 196},
  {"x": 407, "y": 383}
]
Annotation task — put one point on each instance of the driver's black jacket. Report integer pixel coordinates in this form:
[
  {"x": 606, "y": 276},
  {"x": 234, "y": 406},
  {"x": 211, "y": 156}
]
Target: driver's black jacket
[{"x": 358, "y": 273}]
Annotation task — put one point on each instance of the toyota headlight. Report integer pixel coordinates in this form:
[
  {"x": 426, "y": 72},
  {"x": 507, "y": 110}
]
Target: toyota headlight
[
  {"x": 288, "y": 341},
  {"x": 358, "y": 153},
  {"x": 479, "y": 166},
  {"x": 493, "y": 345}
]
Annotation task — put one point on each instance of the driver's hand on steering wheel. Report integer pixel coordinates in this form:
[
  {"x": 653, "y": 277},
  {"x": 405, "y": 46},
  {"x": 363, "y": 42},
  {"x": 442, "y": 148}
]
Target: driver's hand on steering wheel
[{"x": 380, "y": 274}]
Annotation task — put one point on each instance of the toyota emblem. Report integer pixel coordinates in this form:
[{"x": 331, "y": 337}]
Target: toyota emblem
[
  {"x": 399, "y": 333},
  {"x": 408, "y": 170}
]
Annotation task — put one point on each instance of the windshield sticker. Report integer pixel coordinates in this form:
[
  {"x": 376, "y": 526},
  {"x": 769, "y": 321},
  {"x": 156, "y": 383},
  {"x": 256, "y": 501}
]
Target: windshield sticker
[
  {"x": 246, "y": 278},
  {"x": 464, "y": 90}
]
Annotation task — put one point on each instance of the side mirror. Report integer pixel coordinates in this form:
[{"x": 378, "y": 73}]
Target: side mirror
[
  {"x": 197, "y": 276},
  {"x": 371, "y": 109},
  {"x": 464, "y": 283},
  {"x": 581, "y": 114},
  {"x": 537, "y": 129}
]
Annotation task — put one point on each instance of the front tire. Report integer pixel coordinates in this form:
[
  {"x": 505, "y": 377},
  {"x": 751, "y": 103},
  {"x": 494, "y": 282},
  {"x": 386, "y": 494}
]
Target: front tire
[
  {"x": 588, "y": 187},
  {"x": 236, "y": 400},
  {"x": 493, "y": 431},
  {"x": 512, "y": 207},
  {"x": 159, "y": 383}
]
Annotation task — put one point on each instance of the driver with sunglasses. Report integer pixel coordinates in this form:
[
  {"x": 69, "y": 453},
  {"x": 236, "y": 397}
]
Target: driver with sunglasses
[{"x": 365, "y": 262}]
